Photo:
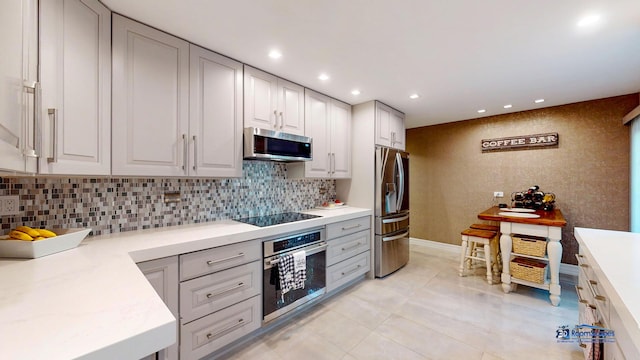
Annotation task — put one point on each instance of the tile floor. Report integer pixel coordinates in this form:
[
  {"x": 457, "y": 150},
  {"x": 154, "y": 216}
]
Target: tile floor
[{"x": 425, "y": 311}]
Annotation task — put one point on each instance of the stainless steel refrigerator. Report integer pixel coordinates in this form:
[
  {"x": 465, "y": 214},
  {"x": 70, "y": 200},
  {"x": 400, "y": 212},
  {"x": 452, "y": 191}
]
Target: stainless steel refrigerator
[{"x": 392, "y": 211}]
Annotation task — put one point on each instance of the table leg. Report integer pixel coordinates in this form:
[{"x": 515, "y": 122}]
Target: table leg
[
  {"x": 554, "y": 251},
  {"x": 505, "y": 249}
]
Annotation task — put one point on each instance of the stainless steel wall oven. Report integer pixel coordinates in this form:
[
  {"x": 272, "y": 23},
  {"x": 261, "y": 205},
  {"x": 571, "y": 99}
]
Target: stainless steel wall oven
[{"x": 276, "y": 304}]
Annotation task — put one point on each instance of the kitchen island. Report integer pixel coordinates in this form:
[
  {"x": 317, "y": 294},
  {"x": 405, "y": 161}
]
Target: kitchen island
[
  {"x": 547, "y": 224},
  {"x": 93, "y": 302}
]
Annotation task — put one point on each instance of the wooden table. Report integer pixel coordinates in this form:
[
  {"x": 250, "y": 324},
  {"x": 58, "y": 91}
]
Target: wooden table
[{"x": 548, "y": 225}]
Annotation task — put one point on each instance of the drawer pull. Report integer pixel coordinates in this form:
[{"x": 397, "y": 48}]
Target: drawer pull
[
  {"x": 213, "y": 262},
  {"x": 210, "y": 295},
  {"x": 593, "y": 291},
  {"x": 227, "y": 329},
  {"x": 352, "y": 270},
  {"x": 351, "y": 247},
  {"x": 580, "y": 299},
  {"x": 580, "y": 258},
  {"x": 351, "y": 227}
]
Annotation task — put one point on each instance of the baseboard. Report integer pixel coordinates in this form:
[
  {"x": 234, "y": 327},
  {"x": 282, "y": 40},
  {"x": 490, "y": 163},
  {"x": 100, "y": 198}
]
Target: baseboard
[{"x": 566, "y": 269}]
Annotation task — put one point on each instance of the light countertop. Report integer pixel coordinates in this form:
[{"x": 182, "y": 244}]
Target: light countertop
[
  {"x": 615, "y": 258},
  {"x": 93, "y": 302}
]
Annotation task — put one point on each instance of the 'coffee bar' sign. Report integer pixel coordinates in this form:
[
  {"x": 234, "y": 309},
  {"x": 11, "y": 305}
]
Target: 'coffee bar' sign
[{"x": 520, "y": 142}]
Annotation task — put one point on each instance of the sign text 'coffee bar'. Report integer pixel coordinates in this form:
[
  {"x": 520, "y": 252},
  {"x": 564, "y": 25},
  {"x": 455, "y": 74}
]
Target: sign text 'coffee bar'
[{"x": 520, "y": 142}]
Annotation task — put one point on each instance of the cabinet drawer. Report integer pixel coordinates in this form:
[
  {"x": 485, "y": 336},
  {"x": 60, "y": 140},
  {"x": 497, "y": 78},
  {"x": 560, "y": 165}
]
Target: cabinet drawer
[
  {"x": 208, "y": 334},
  {"x": 219, "y": 258},
  {"x": 345, "y": 271},
  {"x": 348, "y": 227},
  {"x": 347, "y": 246},
  {"x": 210, "y": 293}
]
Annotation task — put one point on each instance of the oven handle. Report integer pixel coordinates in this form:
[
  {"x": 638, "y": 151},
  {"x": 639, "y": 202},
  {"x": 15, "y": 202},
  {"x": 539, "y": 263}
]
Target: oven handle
[{"x": 311, "y": 251}]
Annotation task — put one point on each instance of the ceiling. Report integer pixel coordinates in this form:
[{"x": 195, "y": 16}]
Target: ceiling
[{"x": 458, "y": 55}]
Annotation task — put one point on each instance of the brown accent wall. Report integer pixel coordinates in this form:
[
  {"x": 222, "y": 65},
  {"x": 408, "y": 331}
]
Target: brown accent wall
[{"x": 451, "y": 179}]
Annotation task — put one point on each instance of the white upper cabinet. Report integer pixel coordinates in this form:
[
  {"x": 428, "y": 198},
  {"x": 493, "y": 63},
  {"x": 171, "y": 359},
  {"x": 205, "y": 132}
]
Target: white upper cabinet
[
  {"x": 75, "y": 49},
  {"x": 19, "y": 85},
  {"x": 150, "y": 121},
  {"x": 177, "y": 108},
  {"x": 389, "y": 129},
  {"x": 341, "y": 139},
  {"x": 328, "y": 122},
  {"x": 272, "y": 103},
  {"x": 216, "y": 115}
]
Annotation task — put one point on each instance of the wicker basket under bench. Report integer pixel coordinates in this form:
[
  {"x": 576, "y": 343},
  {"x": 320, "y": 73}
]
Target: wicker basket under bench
[
  {"x": 528, "y": 269},
  {"x": 529, "y": 245}
]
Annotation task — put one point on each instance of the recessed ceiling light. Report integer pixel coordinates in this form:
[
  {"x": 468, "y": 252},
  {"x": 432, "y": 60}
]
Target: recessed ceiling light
[
  {"x": 275, "y": 54},
  {"x": 355, "y": 92},
  {"x": 414, "y": 96},
  {"x": 482, "y": 111},
  {"x": 588, "y": 20},
  {"x": 538, "y": 101},
  {"x": 508, "y": 106},
  {"x": 323, "y": 77}
]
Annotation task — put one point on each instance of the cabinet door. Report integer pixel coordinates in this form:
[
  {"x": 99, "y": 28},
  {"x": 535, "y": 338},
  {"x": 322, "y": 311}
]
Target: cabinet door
[
  {"x": 397, "y": 130},
  {"x": 383, "y": 125},
  {"x": 163, "y": 276},
  {"x": 290, "y": 107},
  {"x": 340, "y": 139},
  {"x": 150, "y": 101},
  {"x": 260, "y": 99},
  {"x": 216, "y": 115},
  {"x": 317, "y": 125},
  {"x": 18, "y": 64},
  {"x": 76, "y": 87}
]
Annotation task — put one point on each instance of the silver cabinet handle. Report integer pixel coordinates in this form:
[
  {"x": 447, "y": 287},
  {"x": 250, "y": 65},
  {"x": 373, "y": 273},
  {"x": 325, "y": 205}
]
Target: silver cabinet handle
[
  {"x": 334, "y": 163},
  {"x": 395, "y": 220},
  {"x": 35, "y": 88},
  {"x": 597, "y": 296},
  {"x": 227, "y": 329},
  {"x": 53, "y": 113},
  {"x": 281, "y": 120},
  {"x": 352, "y": 270},
  {"x": 184, "y": 152},
  {"x": 210, "y": 295},
  {"x": 275, "y": 119},
  {"x": 329, "y": 164},
  {"x": 213, "y": 262},
  {"x": 351, "y": 247},
  {"x": 195, "y": 154},
  {"x": 396, "y": 237},
  {"x": 351, "y": 227},
  {"x": 580, "y": 259},
  {"x": 581, "y": 299}
]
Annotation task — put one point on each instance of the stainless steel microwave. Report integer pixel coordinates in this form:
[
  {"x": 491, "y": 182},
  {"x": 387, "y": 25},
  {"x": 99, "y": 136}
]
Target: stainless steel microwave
[{"x": 264, "y": 144}]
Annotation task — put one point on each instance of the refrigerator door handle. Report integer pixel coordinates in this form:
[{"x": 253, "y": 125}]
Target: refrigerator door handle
[
  {"x": 395, "y": 220},
  {"x": 396, "y": 237},
  {"x": 400, "y": 198}
]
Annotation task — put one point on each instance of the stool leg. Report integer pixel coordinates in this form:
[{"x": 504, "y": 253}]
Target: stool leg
[
  {"x": 463, "y": 255},
  {"x": 487, "y": 258},
  {"x": 495, "y": 257}
]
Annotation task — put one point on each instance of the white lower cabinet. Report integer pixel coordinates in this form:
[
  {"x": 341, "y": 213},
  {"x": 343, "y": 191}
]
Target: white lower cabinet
[
  {"x": 163, "y": 276},
  {"x": 348, "y": 270},
  {"x": 348, "y": 251},
  {"x": 208, "y": 334}
]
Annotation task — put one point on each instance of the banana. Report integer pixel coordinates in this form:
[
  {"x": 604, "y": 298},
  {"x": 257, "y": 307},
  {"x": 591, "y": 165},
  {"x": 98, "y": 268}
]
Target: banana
[
  {"x": 39, "y": 238},
  {"x": 27, "y": 230},
  {"x": 45, "y": 233},
  {"x": 19, "y": 235}
]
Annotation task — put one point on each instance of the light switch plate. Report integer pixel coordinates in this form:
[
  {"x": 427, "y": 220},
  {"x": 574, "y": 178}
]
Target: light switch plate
[{"x": 9, "y": 205}]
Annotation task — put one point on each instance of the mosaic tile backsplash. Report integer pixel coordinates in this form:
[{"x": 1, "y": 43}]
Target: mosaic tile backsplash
[{"x": 111, "y": 205}]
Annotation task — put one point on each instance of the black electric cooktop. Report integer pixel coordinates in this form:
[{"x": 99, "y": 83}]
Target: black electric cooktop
[{"x": 268, "y": 220}]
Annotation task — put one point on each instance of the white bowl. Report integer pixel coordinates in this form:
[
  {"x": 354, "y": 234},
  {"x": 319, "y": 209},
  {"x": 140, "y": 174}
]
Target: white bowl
[{"x": 66, "y": 239}]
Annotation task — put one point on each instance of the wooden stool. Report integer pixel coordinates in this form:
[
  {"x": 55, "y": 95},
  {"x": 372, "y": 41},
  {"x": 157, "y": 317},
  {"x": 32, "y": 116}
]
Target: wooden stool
[
  {"x": 470, "y": 239},
  {"x": 487, "y": 227}
]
